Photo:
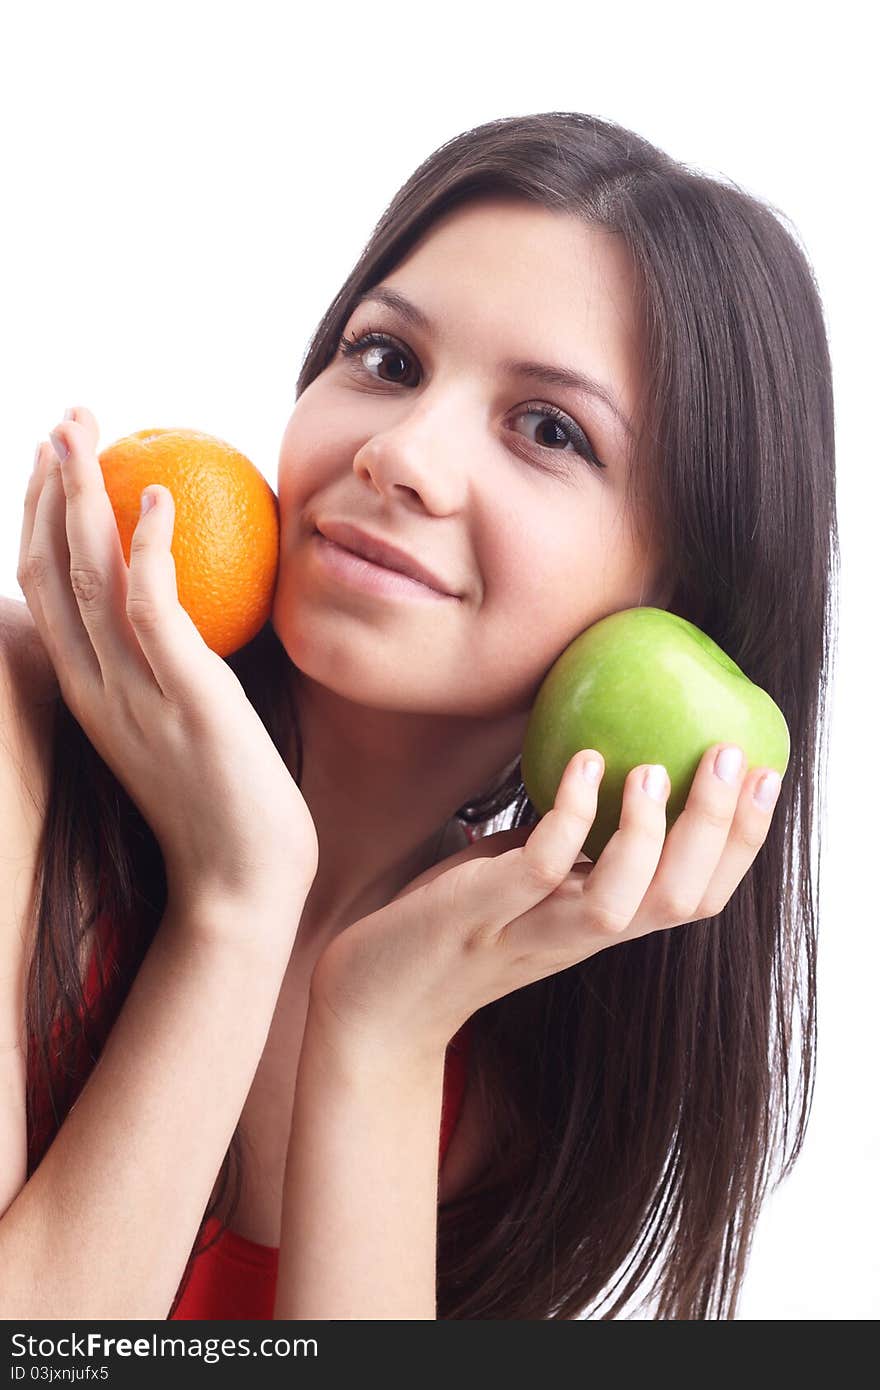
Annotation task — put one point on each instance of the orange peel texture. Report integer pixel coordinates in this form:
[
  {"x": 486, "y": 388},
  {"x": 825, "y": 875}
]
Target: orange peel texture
[{"x": 226, "y": 526}]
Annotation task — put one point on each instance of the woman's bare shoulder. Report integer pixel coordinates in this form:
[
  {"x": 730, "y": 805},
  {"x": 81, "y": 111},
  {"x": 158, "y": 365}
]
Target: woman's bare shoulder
[
  {"x": 29, "y": 695},
  {"x": 26, "y": 714},
  {"x": 23, "y": 646}
]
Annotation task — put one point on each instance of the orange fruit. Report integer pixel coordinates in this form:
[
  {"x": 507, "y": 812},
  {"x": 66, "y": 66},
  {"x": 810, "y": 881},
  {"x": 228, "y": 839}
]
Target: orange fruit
[{"x": 226, "y": 526}]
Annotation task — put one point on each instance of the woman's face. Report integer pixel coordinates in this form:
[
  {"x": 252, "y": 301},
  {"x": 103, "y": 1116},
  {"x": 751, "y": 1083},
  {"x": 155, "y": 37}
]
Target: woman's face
[{"x": 431, "y": 442}]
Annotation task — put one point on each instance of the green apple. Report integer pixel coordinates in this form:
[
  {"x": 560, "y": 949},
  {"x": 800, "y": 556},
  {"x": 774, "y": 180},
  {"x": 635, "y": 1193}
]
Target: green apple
[{"x": 644, "y": 686}]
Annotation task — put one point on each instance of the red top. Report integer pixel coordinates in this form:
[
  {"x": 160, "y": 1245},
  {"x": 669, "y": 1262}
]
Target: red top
[{"x": 236, "y": 1278}]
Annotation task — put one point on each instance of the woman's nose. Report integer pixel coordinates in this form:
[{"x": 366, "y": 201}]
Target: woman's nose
[{"x": 416, "y": 457}]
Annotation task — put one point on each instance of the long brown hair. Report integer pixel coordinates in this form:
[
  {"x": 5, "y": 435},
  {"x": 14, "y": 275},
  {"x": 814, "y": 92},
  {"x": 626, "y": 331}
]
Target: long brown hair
[{"x": 642, "y": 1103}]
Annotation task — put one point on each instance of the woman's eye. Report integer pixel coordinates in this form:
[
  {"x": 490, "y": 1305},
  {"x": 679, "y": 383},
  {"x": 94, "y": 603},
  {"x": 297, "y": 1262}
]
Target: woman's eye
[
  {"x": 370, "y": 348},
  {"x": 552, "y": 424}
]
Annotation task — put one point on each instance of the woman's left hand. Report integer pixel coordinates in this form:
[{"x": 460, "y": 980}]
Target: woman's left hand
[{"x": 522, "y": 904}]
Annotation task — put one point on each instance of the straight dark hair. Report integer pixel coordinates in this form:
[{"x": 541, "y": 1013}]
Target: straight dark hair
[{"x": 643, "y": 1102}]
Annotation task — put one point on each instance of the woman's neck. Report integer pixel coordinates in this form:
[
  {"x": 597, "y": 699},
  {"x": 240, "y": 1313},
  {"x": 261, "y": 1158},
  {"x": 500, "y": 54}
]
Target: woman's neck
[{"x": 382, "y": 788}]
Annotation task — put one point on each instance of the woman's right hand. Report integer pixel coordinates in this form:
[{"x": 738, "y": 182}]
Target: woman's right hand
[{"x": 164, "y": 711}]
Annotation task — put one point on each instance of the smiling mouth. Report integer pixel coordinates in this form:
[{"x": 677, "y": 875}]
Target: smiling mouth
[
  {"x": 381, "y": 553},
  {"x": 357, "y": 572}
]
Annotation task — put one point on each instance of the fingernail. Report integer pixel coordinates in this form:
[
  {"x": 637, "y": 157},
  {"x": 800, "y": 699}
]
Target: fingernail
[
  {"x": 37, "y": 457},
  {"x": 148, "y": 500},
  {"x": 727, "y": 764},
  {"x": 591, "y": 769},
  {"x": 60, "y": 447},
  {"x": 68, "y": 414},
  {"x": 654, "y": 781},
  {"x": 768, "y": 790}
]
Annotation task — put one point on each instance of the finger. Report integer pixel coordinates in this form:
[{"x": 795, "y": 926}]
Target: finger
[
  {"x": 585, "y": 912},
  {"x": 97, "y": 572},
  {"x": 492, "y": 892},
  {"x": 34, "y": 489},
  {"x": 170, "y": 640},
  {"x": 695, "y": 844},
  {"x": 44, "y": 577},
  {"x": 131, "y": 612},
  {"x": 613, "y": 892},
  {"x": 749, "y": 830},
  {"x": 86, "y": 419},
  {"x": 31, "y": 498}
]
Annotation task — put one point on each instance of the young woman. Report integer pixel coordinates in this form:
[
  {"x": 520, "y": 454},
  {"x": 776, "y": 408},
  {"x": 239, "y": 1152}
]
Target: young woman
[{"x": 270, "y": 986}]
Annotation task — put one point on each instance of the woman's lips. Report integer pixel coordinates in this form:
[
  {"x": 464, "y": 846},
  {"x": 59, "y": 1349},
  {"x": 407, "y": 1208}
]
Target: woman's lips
[
  {"x": 382, "y": 551},
  {"x": 357, "y": 573}
]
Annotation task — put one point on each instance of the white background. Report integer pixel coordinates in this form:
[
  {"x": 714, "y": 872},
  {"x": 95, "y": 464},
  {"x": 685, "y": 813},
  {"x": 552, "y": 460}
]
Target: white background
[{"x": 187, "y": 185}]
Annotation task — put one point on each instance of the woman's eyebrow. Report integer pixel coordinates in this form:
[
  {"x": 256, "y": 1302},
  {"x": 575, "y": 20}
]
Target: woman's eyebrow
[{"x": 539, "y": 372}]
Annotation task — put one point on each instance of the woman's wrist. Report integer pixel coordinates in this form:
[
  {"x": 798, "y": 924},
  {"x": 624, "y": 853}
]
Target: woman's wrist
[
  {"x": 371, "y": 1052},
  {"x": 261, "y": 922}
]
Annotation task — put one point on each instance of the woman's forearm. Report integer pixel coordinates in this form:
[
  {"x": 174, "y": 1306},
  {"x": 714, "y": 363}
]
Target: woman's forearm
[
  {"x": 359, "y": 1225},
  {"x": 104, "y": 1227}
]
